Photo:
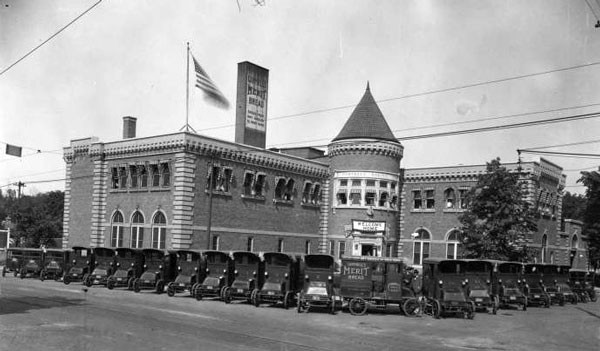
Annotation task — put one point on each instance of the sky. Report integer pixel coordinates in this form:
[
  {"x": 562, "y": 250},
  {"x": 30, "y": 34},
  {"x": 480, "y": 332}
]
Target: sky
[{"x": 128, "y": 58}]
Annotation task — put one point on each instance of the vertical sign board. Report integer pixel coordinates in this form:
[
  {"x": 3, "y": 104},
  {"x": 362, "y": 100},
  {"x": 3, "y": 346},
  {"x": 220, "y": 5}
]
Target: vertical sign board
[{"x": 251, "y": 107}]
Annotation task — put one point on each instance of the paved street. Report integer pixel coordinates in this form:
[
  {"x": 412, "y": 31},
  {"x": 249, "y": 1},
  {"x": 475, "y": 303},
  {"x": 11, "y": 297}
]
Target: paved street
[{"x": 49, "y": 315}]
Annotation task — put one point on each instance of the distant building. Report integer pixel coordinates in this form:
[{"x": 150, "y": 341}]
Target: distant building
[{"x": 188, "y": 191}]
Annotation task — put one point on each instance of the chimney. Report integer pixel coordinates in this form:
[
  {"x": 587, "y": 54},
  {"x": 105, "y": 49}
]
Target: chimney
[{"x": 129, "y": 127}]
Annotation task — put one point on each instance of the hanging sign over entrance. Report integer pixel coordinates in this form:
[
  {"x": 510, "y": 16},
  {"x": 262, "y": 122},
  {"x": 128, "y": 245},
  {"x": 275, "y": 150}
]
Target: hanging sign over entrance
[{"x": 368, "y": 226}]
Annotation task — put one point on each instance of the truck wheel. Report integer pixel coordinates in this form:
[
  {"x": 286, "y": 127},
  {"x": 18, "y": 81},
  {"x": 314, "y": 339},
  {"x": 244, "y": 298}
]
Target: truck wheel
[
  {"x": 357, "y": 306},
  {"x": 436, "y": 309},
  {"x": 287, "y": 300},
  {"x": 411, "y": 307},
  {"x": 160, "y": 286}
]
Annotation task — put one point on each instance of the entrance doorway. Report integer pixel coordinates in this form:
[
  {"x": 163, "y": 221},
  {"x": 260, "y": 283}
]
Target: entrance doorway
[{"x": 368, "y": 250}]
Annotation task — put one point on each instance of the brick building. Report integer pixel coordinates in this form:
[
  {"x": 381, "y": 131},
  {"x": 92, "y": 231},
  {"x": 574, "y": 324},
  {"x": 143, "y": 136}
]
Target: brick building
[{"x": 184, "y": 190}]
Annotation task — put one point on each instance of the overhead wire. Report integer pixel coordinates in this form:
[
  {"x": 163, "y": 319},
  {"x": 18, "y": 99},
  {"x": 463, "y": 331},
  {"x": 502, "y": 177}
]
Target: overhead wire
[
  {"x": 465, "y": 122},
  {"x": 429, "y": 92},
  {"x": 50, "y": 38}
]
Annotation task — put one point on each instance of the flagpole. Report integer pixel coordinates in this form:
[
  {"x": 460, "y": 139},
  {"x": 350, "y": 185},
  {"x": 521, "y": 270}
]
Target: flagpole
[{"x": 187, "y": 88}]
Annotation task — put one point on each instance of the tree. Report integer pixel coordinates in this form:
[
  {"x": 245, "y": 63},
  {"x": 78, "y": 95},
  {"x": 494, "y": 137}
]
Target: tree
[
  {"x": 573, "y": 206},
  {"x": 591, "y": 216},
  {"x": 498, "y": 217},
  {"x": 38, "y": 218}
]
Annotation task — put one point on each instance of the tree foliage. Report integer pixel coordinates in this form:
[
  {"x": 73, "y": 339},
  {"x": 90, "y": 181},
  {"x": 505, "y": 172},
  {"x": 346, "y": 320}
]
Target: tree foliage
[
  {"x": 36, "y": 220},
  {"x": 591, "y": 216},
  {"x": 573, "y": 206},
  {"x": 498, "y": 217}
]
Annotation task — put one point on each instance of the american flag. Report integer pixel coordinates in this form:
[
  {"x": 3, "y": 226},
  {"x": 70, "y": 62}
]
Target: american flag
[{"x": 211, "y": 92}]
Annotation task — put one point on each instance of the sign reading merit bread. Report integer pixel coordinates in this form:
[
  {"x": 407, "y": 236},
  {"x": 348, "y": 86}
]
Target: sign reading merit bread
[
  {"x": 368, "y": 226},
  {"x": 256, "y": 95},
  {"x": 251, "y": 107}
]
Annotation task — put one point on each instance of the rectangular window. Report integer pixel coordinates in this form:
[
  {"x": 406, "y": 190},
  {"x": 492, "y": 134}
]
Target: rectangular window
[
  {"x": 123, "y": 177},
  {"x": 117, "y": 236},
  {"x": 280, "y": 245},
  {"x": 343, "y": 182},
  {"x": 355, "y": 198},
  {"x": 137, "y": 237},
  {"x": 451, "y": 251},
  {"x": 370, "y": 198},
  {"x": 155, "y": 175},
  {"x": 425, "y": 250},
  {"x": 306, "y": 192},
  {"x": 342, "y": 200},
  {"x": 307, "y": 247},
  {"x": 166, "y": 174},
  {"x": 393, "y": 186},
  {"x": 259, "y": 185},
  {"x": 370, "y": 182},
  {"x": 114, "y": 178},
  {"x": 250, "y": 245},
  {"x": 417, "y": 253},
  {"x": 143, "y": 174},
  {"x": 331, "y": 247},
  {"x": 462, "y": 193},
  {"x": 389, "y": 248},
  {"x": 417, "y": 200},
  {"x": 223, "y": 180},
  {"x": 315, "y": 196},
  {"x": 133, "y": 174},
  {"x": 158, "y": 237},
  {"x": 430, "y": 194},
  {"x": 215, "y": 242},
  {"x": 214, "y": 175},
  {"x": 383, "y": 184},
  {"x": 248, "y": 183},
  {"x": 356, "y": 182},
  {"x": 342, "y": 249}
]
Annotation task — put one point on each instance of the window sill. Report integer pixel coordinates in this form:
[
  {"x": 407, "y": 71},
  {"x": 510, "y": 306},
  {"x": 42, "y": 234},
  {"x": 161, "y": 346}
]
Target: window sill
[
  {"x": 156, "y": 190},
  {"x": 311, "y": 205},
  {"x": 253, "y": 197},
  {"x": 454, "y": 210},
  {"x": 422, "y": 210},
  {"x": 219, "y": 193},
  {"x": 283, "y": 202}
]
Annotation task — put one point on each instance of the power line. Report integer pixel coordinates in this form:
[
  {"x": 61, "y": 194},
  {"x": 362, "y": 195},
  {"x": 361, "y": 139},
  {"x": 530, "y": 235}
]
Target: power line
[
  {"x": 429, "y": 92},
  {"x": 51, "y": 37},
  {"x": 555, "y": 153},
  {"x": 592, "y": 9},
  {"x": 469, "y": 121},
  {"x": 563, "y": 145}
]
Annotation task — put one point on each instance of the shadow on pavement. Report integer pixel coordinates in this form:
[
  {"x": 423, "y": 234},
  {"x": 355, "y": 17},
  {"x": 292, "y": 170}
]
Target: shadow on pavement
[
  {"x": 15, "y": 305},
  {"x": 588, "y": 312}
]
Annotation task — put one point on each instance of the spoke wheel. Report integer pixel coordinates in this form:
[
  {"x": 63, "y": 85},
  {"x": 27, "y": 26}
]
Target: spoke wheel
[
  {"x": 411, "y": 308},
  {"x": 136, "y": 286},
  {"x": 436, "y": 309},
  {"x": 170, "y": 291},
  {"x": 357, "y": 306}
]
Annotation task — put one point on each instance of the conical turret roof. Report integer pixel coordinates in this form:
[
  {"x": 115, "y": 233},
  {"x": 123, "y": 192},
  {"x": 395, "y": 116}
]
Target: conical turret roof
[{"x": 366, "y": 122}]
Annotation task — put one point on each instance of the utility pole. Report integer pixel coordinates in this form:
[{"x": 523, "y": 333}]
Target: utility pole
[{"x": 20, "y": 185}]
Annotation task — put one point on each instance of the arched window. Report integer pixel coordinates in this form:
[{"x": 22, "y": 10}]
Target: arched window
[
  {"x": 450, "y": 198},
  {"x": 574, "y": 243},
  {"x": 159, "y": 231},
  {"x": 544, "y": 247},
  {"x": 422, "y": 240},
  {"x": 116, "y": 236},
  {"x": 137, "y": 230},
  {"x": 453, "y": 244}
]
